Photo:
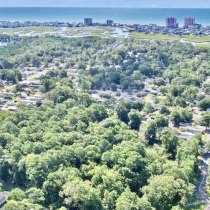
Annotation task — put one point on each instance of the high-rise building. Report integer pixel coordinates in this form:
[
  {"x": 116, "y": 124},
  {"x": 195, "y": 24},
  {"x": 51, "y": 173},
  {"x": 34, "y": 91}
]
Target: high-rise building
[
  {"x": 88, "y": 22},
  {"x": 109, "y": 22},
  {"x": 189, "y": 22},
  {"x": 171, "y": 23}
]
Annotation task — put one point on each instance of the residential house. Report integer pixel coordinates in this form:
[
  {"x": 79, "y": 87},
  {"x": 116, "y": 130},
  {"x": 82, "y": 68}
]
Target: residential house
[
  {"x": 185, "y": 135},
  {"x": 3, "y": 197},
  {"x": 193, "y": 129}
]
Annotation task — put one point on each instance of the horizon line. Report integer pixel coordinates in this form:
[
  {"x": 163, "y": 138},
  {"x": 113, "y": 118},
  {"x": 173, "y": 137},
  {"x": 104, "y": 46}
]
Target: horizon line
[{"x": 104, "y": 7}]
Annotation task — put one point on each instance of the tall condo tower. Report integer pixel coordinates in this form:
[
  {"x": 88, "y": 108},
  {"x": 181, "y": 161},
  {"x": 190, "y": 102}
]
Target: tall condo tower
[
  {"x": 171, "y": 22},
  {"x": 109, "y": 22},
  {"x": 88, "y": 22},
  {"x": 189, "y": 22}
]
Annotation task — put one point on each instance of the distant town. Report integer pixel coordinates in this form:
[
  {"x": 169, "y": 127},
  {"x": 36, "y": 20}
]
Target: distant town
[{"x": 171, "y": 26}]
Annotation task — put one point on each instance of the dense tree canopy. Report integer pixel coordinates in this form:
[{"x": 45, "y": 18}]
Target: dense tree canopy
[{"x": 70, "y": 152}]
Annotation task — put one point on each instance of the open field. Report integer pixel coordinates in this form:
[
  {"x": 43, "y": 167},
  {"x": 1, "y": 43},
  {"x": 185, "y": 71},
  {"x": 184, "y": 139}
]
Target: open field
[
  {"x": 197, "y": 39},
  {"x": 207, "y": 46},
  {"x": 189, "y": 38},
  {"x": 94, "y": 31},
  {"x": 142, "y": 35},
  {"x": 24, "y": 30},
  {"x": 99, "y": 28}
]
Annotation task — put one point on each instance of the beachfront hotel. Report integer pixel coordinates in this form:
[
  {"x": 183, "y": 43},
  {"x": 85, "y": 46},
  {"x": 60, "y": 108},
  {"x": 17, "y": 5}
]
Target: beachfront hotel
[
  {"x": 109, "y": 22},
  {"x": 171, "y": 22},
  {"x": 189, "y": 22},
  {"x": 88, "y": 22}
]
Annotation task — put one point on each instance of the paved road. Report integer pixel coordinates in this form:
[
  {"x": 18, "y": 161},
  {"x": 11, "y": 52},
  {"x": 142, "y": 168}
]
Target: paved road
[{"x": 201, "y": 184}]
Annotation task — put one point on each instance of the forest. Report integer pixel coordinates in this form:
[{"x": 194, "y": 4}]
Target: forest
[{"x": 71, "y": 152}]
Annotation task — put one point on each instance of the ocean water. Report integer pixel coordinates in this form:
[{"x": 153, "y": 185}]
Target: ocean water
[{"x": 119, "y": 15}]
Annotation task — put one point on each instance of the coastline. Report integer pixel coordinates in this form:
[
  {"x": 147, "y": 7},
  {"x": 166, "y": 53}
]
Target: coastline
[{"x": 119, "y": 15}]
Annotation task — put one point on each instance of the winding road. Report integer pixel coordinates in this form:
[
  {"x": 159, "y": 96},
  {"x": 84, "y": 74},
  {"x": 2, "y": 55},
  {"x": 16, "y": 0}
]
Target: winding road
[
  {"x": 201, "y": 184},
  {"x": 200, "y": 189}
]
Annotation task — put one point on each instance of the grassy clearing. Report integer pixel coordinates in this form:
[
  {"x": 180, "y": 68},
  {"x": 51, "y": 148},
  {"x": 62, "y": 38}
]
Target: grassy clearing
[
  {"x": 196, "y": 117},
  {"x": 24, "y": 30},
  {"x": 42, "y": 29},
  {"x": 93, "y": 31},
  {"x": 141, "y": 35},
  {"x": 204, "y": 46},
  {"x": 98, "y": 31},
  {"x": 90, "y": 29},
  {"x": 161, "y": 97},
  {"x": 156, "y": 113},
  {"x": 190, "y": 38},
  {"x": 197, "y": 39},
  {"x": 148, "y": 98}
]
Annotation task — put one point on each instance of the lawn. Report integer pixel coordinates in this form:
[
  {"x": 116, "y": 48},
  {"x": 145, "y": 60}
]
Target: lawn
[
  {"x": 204, "y": 46},
  {"x": 197, "y": 39},
  {"x": 148, "y": 98},
  {"x": 189, "y": 38},
  {"x": 196, "y": 117},
  {"x": 90, "y": 29},
  {"x": 93, "y": 31},
  {"x": 141, "y": 35}
]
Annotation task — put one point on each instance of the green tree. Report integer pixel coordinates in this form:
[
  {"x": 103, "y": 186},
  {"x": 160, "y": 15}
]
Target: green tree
[
  {"x": 204, "y": 103},
  {"x": 17, "y": 194},
  {"x": 85, "y": 99},
  {"x": 169, "y": 141},
  {"x": 130, "y": 200},
  {"x": 134, "y": 119},
  {"x": 47, "y": 85},
  {"x": 180, "y": 115},
  {"x": 149, "y": 108},
  {"x": 54, "y": 182},
  {"x": 163, "y": 191},
  {"x": 109, "y": 199},
  {"x": 78, "y": 194},
  {"x": 164, "y": 110},
  {"x": 151, "y": 129},
  {"x": 205, "y": 120},
  {"x": 35, "y": 195},
  {"x": 122, "y": 113},
  {"x": 97, "y": 112},
  {"x": 63, "y": 74},
  {"x": 175, "y": 117}
]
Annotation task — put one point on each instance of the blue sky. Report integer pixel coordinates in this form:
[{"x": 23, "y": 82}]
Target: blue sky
[{"x": 108, "y": 3}]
